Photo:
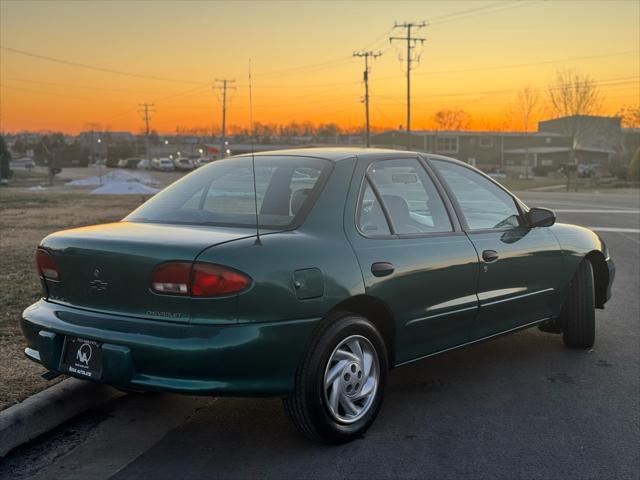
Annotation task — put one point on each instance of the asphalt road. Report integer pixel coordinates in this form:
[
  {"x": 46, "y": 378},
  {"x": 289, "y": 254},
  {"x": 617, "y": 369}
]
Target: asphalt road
[{"x": 521, "y": 406}]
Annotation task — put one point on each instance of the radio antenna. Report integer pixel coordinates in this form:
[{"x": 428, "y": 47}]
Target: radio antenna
[{"x": 253, "y": 158}]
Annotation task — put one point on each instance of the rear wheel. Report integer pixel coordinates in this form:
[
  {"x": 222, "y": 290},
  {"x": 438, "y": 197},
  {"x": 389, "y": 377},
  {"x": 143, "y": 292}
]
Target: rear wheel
[
  {"x": 340, "y": 383},
  {"x": 579, "y": 310}
]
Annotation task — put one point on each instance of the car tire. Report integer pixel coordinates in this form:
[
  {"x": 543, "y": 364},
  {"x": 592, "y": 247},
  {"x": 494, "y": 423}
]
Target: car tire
[
  {"x": 339, "y": 385},
  {"x": 579, "y": 309}
]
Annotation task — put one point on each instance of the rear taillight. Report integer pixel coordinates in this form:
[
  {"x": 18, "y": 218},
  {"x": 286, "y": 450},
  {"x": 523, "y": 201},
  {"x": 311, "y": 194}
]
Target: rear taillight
[
  {"x": 212, "y": 280},
  {"x": 47, "y": 268},
  {"x": 197, "y": 280},
  {"x": 172, "y": 278}
]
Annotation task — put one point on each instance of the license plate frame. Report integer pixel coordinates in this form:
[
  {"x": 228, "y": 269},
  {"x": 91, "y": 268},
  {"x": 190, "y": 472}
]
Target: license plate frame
[{"x": 82, "y": 357}]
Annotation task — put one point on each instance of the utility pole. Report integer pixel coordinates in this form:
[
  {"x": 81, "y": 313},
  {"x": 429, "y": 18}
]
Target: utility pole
[
  {"x": 146, "y": 109},
  {"x": 223, "y": 85},
  {"x": 366, "y": 56},
  {"x": 411, "y": 44}
]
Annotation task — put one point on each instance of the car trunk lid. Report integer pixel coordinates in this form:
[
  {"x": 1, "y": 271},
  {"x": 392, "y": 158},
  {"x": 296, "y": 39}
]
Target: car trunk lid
[{"x": 108, "y": 268}]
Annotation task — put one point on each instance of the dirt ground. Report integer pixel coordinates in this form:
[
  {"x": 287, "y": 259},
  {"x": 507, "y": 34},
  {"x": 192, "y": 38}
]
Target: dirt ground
[{"x": 25, "y": 218}]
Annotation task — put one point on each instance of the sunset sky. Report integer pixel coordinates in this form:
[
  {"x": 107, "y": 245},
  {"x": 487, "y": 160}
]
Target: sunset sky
[{"x": 477, "y": 56}]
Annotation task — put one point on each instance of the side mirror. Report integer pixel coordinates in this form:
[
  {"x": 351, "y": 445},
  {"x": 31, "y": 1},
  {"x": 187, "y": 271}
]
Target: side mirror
[{"x": 541, "y": 217}]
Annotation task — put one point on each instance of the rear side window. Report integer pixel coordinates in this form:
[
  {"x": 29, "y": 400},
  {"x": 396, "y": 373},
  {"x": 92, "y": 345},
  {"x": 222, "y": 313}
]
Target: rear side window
[
  {"x": 371, "y": 220},
  {"x": 410, "y": 197},
  {"x": 483, "y": 204},
  {"x": 222, "y": 193}
]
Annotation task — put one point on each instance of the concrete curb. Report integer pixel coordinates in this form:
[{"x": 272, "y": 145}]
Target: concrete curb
[{"x": 47, "y": 409}]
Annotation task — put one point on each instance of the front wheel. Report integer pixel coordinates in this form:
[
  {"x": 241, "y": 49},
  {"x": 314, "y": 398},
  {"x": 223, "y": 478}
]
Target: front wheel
[
  {"x": 340, "y": 383},
  {"x": 579, "y": 310}
]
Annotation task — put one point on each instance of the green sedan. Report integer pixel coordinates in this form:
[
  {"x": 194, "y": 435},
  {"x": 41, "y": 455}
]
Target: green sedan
[{"x": 308, "y": 274}]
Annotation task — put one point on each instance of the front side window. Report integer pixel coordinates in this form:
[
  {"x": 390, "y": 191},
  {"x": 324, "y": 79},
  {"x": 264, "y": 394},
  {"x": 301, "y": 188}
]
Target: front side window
[
  {"x": 410, "y": 197},
  {"x": 483, "y": 204},
  {"x": 222, "y": 193}
]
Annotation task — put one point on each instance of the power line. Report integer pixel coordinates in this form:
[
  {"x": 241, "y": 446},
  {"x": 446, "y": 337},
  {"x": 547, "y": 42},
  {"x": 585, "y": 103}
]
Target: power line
[
  {"x": 366, "y": 55},
  {"x": 469, "y": 10},
  {"x": 223, "y": 85},
  {"x": 93, "y": 67},
  {"x": 81, "y": 87},
  {"x": 530, "y": 64},
  {"x": 332, "y": 84},
  {"x": 55, "y": 94},
  {"x": 604, "y": 83},
  {"x": 162, "y": 99},
  {"x": 411, "y": 44},
  {"x": 476, "y": 14},
  {"x": 306, "y": 68}
]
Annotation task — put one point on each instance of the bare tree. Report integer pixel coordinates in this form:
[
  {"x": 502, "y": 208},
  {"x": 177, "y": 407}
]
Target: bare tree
[
  {"x": 573, "y": 96},
  {"x": 630, "y": 116},
  {"x": 452, "y": 120},
  {"x": 522, "y": 111}
]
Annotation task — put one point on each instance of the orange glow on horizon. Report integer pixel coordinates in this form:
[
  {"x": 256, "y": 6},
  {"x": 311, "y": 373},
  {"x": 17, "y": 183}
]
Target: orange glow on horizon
[{"x": 476, "y": 58}]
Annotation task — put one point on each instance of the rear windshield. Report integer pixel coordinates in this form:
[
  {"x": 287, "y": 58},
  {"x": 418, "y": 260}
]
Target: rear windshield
[{"x": 221, "y": 193}]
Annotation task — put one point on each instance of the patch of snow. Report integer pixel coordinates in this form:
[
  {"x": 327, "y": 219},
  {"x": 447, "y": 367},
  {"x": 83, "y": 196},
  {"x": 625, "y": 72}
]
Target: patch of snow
[
  {"x": 125, "y": 188},
  {"x": 118, "y": 176},
  {"x": 37, "y": 188}
]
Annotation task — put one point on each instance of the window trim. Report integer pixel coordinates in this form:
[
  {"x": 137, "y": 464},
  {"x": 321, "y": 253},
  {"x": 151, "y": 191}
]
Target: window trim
[
  {"x": 458, "y": 209},
  {"x": 456, "y": 227},
  {"x": 448, "y": 137},
  {"x": 487, "y": 139}
]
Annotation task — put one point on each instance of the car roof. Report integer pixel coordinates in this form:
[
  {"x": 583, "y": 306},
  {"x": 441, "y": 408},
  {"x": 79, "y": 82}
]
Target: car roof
[{"x": 335, "y": 154}]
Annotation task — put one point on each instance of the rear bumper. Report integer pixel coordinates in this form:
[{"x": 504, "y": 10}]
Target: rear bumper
[{"x": 241, "y": 359}]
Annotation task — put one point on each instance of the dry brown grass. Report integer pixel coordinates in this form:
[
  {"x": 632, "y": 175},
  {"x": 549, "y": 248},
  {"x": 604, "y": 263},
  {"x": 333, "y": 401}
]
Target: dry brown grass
[{"x": 26, "y": 218}]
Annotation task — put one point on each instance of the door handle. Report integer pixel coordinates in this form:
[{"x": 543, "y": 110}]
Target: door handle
[
  {"x": 382, "y": 269},
  {"x": 490, "y": 256}
]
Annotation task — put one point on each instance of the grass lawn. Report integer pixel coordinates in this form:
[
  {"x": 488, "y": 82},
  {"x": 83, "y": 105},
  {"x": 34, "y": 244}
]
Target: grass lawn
[
  {"x": 26, "y": 218},
  {"x": 522, "y": 184}
]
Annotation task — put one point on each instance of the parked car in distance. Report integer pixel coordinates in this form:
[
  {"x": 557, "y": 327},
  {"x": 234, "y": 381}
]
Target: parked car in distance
[
  {"x": 586, "y": 170},
  {"x": 163, "y": 164},
  {"x": 25, "y": 163},
  {"x": 497, "y": 174},
  {"x": 308, "y": 274},
  {"x": 111, "y": 163},
  {"x": 202, "y": 161},
  {"x": 183, "y": 164},
  {"x": 131, "y": 162},
  {"x": 144, "y": 164}
]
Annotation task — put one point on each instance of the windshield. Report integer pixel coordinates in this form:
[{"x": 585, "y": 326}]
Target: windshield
[{"x": 222, "y": 193}]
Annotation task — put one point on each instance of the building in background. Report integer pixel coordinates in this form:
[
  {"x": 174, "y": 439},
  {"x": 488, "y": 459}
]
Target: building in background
[{"x": 599, "y": 140}]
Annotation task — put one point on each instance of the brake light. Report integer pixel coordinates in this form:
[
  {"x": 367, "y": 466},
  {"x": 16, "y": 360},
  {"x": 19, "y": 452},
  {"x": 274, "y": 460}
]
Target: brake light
[
  {"x": 197, "y": 280},
  {"x": 212, "y": 280},
  {"x": 47, "y": 268}
]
